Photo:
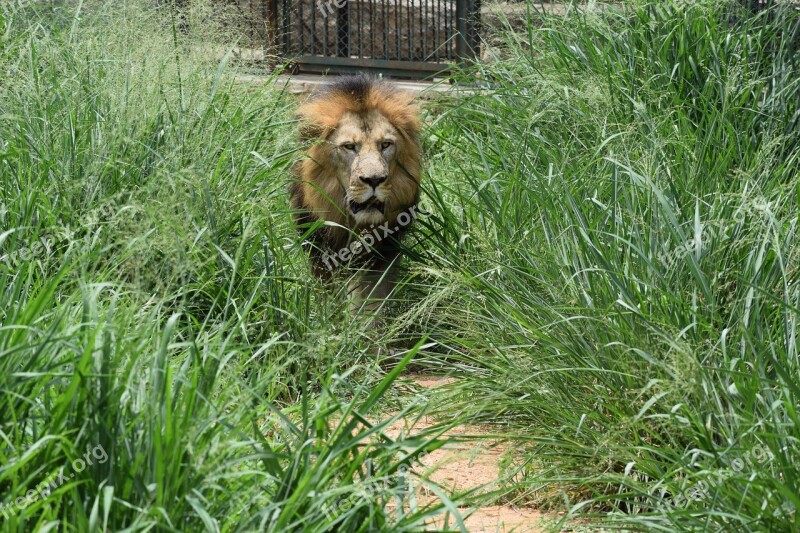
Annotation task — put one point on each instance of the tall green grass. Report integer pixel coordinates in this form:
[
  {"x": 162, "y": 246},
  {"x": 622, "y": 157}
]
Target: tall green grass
[
  {"x": 615, "y": 241},
  {"x": 154, "y": 304},
  {"x": 609, "y": 268}
]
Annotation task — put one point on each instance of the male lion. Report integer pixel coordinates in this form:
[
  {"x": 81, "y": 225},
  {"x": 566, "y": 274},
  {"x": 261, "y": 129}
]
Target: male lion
[{"x": 361, "y": 178}]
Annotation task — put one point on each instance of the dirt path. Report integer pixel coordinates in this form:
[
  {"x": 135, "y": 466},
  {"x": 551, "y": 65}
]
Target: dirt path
[{"x": 466, "y": 465}]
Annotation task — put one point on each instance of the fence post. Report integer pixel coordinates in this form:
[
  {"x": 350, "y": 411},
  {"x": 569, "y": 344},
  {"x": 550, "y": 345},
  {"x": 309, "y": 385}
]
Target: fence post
[
  {"x": 343, "y": 30},
  {"x": 468, "y": 13},
  {"x": 461, "y": 29}
]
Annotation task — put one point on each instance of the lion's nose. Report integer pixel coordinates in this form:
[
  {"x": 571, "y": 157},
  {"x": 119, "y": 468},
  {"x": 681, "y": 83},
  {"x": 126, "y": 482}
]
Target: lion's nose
[{"x": 373, "y": 181}]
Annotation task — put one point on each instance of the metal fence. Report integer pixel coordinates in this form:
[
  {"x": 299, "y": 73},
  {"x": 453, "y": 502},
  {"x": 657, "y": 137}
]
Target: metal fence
[{"x": 411, "y": 38}]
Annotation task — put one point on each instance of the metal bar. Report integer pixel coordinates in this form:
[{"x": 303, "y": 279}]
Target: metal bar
[
  {"x": 371, "y": 32},
  {"x": 272, "y": 25},
  {"x": 410, "y": 69},
  {"x": 351, "y": 25},
  {"x": 300, "y": 21},
  {"x": 448, "y": 37},
  {"x": 372, "y": 5},
  {"x": 424, "y": 29},
  {"x": 474, "y": 28},
  {"x": 385, "y": 17},
  {"x": 397, "y": 18},
  {"x": 343, "y": 30},
  {"x": 461, "y": 28},
  {"x": 325, "y": 36},
  {"x": 266, "y": 23},
  {"x": 286, "y": 27},
  {"x": 440, "y": 43},
  {"x": 410, "y": 12},
  {"x": 436, "y": 11},
  {"x": 314, "y": 28}
]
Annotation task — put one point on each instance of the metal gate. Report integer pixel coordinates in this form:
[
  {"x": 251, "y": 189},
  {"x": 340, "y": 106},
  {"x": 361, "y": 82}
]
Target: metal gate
[{"x": 410, "y": 38}]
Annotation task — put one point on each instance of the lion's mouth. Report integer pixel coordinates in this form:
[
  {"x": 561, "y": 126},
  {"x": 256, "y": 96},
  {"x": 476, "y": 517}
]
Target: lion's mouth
[{"x": 372, "y": 203}]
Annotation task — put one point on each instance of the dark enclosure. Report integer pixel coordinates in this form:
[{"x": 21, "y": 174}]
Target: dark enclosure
[{"x": 410, "y": 38}]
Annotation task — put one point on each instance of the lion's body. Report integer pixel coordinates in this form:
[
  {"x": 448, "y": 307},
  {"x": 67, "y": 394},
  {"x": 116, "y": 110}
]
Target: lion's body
[{"x": 361, "y": 176}]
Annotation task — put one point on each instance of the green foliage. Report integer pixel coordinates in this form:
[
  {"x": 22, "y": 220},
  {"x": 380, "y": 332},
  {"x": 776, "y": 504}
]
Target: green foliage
[
  {"x": 621, "y": 222},
  {"x": 609, "y": 269},
  {"x": 154, "y": 304}
]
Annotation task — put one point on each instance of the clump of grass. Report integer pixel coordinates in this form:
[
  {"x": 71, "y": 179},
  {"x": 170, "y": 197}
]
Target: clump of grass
[{"x": 615, "y": 235}]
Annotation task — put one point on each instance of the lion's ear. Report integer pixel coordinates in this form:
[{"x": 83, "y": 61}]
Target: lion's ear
[
  {"x": 320, "y": 115},
  {"x": 407, "y": 120},
  {"x": 398, "y": 106},
  {"x": 309, "y": 131},
  {"x": 410, "y": 123}
]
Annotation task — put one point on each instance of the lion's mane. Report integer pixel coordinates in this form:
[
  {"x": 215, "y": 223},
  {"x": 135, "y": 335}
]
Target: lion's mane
[{"x": 315, "y": 193}]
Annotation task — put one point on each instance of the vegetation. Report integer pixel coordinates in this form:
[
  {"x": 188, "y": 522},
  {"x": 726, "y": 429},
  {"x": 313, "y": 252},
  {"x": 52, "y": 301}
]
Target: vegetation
[
  {"x": 154, "y": 302},
  {"x": 609, "y": 269},
  {"x": 620, "y": 216}
]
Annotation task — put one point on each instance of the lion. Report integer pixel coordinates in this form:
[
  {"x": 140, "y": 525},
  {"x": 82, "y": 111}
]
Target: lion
[{"x": 356, "y": 193}]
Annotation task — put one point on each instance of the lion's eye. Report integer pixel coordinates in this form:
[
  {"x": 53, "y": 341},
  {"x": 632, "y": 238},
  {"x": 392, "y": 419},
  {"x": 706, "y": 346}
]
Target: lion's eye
[
  {"x": 386, "y": 144},
  {"x": 349, "y": 146}
]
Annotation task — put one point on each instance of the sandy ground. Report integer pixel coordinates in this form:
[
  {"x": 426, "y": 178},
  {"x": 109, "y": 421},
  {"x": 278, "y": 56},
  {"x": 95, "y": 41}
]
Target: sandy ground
[{"x": 466, "y": 465}]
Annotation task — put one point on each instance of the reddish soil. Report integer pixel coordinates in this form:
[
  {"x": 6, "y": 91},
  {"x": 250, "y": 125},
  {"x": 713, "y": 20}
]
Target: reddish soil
[{"x": 464, "y": 465}]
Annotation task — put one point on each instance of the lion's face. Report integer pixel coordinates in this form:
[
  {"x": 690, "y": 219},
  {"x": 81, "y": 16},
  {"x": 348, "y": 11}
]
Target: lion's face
[
  {"x": 364, "y": 149},
  {"x": 363, "y": 164}
]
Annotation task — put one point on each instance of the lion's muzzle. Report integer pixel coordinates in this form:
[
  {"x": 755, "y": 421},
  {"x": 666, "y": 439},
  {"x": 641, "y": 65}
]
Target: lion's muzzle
[{"x": 368, "y": 183}]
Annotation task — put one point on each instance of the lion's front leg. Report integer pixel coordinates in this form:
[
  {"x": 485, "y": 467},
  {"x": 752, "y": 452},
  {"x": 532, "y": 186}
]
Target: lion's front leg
[{"x": 370, "y": 287}]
